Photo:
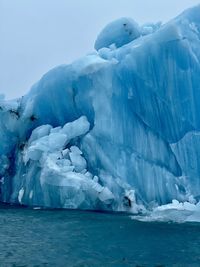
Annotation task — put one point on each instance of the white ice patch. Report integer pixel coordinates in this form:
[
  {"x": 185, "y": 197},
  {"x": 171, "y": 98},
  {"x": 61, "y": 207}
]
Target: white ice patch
[
  {"x": 20, "y": 195},
  {"x": 40, "y": 132},
  {"x": 118, "y": 33},
  {"x": 64, "y": 170},
  {"x": 76, "y": 150},
  {"x": 89, "y": 64},
  {"x": 149, "y": 28},
  {"x": 31, "y": 194},
  {"x": 44, "y": 139},
  {"x": 76, "y": 128},
  {"x": 176, "y": 211},
  {"x": 78, "y": 161}
]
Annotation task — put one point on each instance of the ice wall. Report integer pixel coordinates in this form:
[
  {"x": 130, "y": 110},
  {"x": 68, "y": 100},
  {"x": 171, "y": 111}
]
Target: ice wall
[{"x": 139, "y": 98}]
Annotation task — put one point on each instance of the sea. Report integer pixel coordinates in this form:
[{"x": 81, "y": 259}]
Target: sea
[{"x": 61, "y": 238}]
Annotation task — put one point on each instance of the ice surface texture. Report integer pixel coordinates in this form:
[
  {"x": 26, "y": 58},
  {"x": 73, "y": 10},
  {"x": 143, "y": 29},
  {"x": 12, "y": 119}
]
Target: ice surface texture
[{"x": 116, "y": 129}]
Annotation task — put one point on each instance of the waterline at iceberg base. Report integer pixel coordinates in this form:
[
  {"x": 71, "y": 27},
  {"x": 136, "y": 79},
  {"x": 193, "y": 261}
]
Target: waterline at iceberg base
[{"x": 118, "y": 129}]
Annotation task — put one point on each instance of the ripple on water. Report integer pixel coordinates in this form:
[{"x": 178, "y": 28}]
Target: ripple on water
[{"x": 76, "y": 238}]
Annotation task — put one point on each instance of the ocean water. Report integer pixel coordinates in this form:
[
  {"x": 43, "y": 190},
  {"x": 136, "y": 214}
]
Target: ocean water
[{"x": 79, "y": 238}]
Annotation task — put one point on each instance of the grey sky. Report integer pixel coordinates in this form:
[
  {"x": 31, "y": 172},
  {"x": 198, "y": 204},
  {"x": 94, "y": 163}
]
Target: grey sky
[{"x": 37, "y": 35}]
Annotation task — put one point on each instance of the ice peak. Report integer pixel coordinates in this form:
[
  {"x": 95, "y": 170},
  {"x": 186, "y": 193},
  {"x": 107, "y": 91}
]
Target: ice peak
[{"x": 118, "y": 32}]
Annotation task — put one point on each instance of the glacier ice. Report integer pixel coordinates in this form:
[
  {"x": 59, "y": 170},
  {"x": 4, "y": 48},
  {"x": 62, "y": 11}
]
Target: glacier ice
[
  {"x": 61, "y": 173},
  {"x": 175, "y": 212},
  {"x": 118, "y": 33},
  {"x": 118, "y": 129}
]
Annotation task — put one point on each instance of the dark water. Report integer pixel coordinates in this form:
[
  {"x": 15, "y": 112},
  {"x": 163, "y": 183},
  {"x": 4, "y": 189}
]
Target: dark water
[{"x": 74, "y": 238}]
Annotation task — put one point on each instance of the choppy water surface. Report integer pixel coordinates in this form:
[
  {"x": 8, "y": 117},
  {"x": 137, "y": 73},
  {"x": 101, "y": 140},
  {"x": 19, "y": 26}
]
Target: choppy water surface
[{"x": 75, "y": 238}]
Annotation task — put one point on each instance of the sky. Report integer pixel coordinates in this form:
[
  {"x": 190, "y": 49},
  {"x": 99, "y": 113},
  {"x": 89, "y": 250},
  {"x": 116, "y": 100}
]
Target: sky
[{"x": 37, "y": 35}]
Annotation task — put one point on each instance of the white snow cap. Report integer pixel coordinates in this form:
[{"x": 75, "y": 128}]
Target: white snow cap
[{"x": 118, "y": 32}]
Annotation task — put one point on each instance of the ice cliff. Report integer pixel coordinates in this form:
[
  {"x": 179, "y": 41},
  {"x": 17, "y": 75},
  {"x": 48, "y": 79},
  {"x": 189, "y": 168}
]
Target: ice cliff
[{"x": 118, "y": 129}]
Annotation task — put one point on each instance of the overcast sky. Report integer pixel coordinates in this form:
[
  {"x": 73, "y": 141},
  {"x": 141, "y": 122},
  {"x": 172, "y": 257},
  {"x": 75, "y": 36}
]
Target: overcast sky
[{"x": 37, "y": 35}]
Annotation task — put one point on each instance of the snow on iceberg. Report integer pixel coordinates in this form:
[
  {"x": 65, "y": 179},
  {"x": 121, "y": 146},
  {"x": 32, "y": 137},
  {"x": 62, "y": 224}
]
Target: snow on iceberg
[
  {"x": 117, "y": 129},
  {"x": 119, "y": 33}
]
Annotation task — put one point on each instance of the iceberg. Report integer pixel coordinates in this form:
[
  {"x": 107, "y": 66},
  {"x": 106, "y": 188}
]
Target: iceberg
[
  {"x": 118, "y": 129},
  {"x": 172, "y": 212}
]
